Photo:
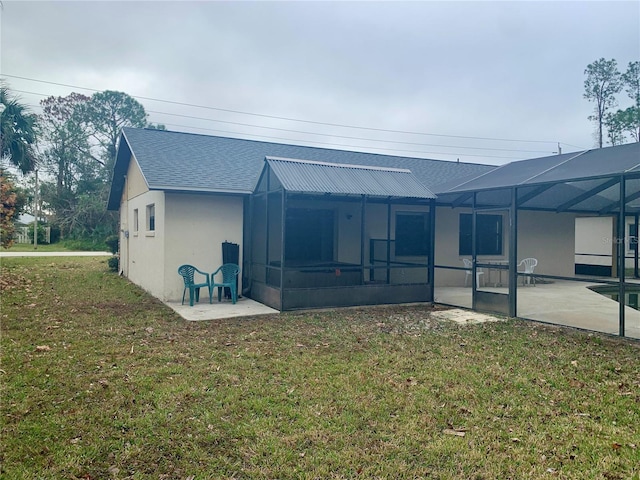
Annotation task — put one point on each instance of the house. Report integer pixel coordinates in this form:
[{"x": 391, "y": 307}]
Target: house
[
  {"x": 319, "y": 227},
  {"x": 304, "y": 217}
]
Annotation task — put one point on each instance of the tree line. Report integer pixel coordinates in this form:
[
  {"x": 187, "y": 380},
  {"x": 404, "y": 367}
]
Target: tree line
[
  {"x": 72, "y": 144},
  {"x": 602, "y": 85}
]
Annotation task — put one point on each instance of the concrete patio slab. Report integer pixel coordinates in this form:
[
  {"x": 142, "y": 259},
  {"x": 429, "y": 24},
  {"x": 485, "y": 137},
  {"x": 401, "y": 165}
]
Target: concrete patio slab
[
  {"x": 464, "y": 317},
  {"x": 244, "y": 307},
  {"x": 562, "y": 303}
]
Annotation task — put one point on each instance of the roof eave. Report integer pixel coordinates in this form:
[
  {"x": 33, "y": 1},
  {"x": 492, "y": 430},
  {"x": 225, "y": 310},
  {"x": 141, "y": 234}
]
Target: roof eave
[
  {"x": 183, "y": 189},
  {"x": 120, "y": 168}
]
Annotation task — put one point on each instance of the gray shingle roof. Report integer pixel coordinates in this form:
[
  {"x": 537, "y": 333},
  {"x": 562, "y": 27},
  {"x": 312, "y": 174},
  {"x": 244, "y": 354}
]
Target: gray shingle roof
[
  {"x": 203, "y": 163},
  {"x": 321, "y": 177}
]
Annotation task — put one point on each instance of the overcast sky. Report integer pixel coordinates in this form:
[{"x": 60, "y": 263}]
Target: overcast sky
[{"x": 447, "y": 70}]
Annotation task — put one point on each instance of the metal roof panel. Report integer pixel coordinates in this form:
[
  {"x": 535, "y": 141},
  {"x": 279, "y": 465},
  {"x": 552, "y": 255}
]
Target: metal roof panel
[{"x": 346, "y": 179}]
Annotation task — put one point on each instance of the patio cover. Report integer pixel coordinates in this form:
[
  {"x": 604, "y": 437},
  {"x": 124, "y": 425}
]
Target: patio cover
[
  {"x": 303, "y": 176},
  {"x": 585, "y": 181}
]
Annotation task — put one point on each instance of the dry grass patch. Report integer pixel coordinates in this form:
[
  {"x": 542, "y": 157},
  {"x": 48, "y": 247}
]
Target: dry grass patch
[{"x": 126, "y": 389}]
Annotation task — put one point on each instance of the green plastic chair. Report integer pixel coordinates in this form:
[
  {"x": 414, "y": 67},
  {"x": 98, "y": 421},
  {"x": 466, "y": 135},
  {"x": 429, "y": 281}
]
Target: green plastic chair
[
  {"x": 188, "y": 273},
  {"x": 230, "y": 273}
]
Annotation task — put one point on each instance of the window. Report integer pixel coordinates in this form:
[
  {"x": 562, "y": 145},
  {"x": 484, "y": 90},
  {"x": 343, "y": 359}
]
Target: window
[
  {"x": 135, "y": 220},
  {"x": 151, "y": 217},
  {"x": 412, "y": 234},
  {"x": 309, "y": 235},
  {"x": 488, "y": 232}
]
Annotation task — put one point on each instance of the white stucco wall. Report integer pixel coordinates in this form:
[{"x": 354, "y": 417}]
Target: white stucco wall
[
  {"x": 349, "y": 232},
  {"x": 196, "y": 227},
  {"x": 146, "y": 248},
  {"x": 188, "y": 229},
  {"x": 134, "y": 186},
  {"x": 141, "y": 251},
  {"x": 594, "y": 240},
  {"x": 595, "y": 236},
  {"x": 447, "y": 246},
  {"x": 548, "y": 237}
]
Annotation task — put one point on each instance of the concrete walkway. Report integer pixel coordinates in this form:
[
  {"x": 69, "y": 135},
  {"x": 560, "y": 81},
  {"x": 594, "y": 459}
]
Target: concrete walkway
[{"x": 54, "y": 254}]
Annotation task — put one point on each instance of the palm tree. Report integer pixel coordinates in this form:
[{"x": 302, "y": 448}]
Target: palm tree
[{"x": 18, "y": 135}]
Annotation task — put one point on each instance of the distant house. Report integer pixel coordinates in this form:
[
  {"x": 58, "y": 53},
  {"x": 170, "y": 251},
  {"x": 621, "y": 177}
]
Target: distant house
[
  {"x": 24, "y": 219},
  {"x": 319, "y": 227},
  {"x": 23, "y": 222}
]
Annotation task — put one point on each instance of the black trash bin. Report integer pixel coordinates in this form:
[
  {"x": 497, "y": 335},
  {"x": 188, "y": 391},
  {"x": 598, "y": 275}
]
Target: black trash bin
[{"x": 230, "y": 254}]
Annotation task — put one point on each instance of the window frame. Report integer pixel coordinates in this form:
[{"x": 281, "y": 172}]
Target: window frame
[
  {"x": 484, "y": 228},
  {"x": 419, "y": 242},
  {"x": 136, "y": 221},
  {"x": 150, "y": 220}
]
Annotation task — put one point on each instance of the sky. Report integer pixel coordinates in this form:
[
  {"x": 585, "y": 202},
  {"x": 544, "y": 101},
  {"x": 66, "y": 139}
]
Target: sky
[{"x": 482, "y": 82}]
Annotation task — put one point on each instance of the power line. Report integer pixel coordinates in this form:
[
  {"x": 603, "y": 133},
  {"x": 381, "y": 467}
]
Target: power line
[
  {"x": 282, "y": 118},
  {"x": 191, "y": 127},
  {"x": 331, "y": 135},
  {"x": 338, "y": 144},
  {"x": 346, "y": 136}
]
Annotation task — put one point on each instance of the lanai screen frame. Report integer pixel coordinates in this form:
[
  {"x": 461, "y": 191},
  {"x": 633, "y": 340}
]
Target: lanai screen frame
[
  {"x": 272, "y": 191},
  {"x": 538, "y": 179}
]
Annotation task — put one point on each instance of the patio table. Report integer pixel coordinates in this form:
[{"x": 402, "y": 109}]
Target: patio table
[{"x": 495, "y": 265}]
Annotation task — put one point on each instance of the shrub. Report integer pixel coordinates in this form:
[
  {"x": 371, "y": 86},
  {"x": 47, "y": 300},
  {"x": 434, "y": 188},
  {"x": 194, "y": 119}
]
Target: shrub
[
  {"x": 42, "y": 236},
  {"x": 114, "y": 263},
  {"x": 112, "y": 241},
  {"x": 55, "y": 234}
]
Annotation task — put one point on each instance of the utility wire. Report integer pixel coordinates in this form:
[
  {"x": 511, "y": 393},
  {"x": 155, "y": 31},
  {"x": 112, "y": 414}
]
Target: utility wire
[
  {"x": 339, "y": 144},
  {"x": 282, "y": 118},
  {"x": 331, "y": 135},
  {"x": 191, "y": 127},
  {"x": 346, "y": 136}
]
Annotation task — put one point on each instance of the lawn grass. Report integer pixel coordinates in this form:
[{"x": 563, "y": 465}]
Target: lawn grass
[
  {"x": 61, "y": 246},
  {"x": 28, "y": 247},
  {"x": 100, "y": 380}
]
